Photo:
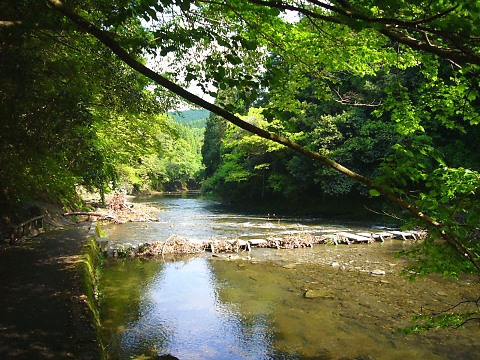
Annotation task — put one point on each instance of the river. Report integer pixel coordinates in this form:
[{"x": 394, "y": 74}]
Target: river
[{"x": 253, "y": 306}]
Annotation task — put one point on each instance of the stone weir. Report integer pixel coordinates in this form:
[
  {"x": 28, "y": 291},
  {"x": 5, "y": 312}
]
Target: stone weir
[{"x": 177, "y": 244}]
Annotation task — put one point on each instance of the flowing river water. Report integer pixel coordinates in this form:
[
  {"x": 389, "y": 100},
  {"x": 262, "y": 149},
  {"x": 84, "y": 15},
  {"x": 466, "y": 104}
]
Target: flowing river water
[{"x": 253, "y": 305}]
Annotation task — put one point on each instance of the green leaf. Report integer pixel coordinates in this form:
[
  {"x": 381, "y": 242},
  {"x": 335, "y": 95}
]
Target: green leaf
[
  {"x": 185, "y": 5},
  {"x": 152, "y": 13},
  {"x": 374, "y": 192},
  {"x": 167, "y": 49},
  {"x": 190, "y": 77},
  {"x": 233, "y": 59}
]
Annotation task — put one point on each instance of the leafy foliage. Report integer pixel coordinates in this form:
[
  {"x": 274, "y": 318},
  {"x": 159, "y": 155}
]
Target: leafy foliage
[
  {"x": 243, "y": 168},
  {"x": 355, "y": 89},
  {"x": 71, "y": 112},
  {"x": 390, "y": 90},
  {"x": 428, "y": 322}
]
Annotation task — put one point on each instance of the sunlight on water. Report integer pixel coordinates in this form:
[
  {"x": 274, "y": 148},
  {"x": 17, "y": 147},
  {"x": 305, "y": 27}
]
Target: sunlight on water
[
  {"x": 200, "y": 308},
  {"x": 203, "y": 220}
]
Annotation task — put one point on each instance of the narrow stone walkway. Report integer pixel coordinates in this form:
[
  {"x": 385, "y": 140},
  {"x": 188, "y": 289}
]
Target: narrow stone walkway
[{"x": 42, "y": 315}]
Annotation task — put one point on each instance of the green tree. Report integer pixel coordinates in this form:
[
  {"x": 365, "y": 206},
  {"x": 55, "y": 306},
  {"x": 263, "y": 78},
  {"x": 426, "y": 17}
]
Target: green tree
[
  {"x": 215, "y": 130},
  {"x": 58, "y": 90},
  {"x": 245, "y": 164},
  {"x": 183, "y": 160}
]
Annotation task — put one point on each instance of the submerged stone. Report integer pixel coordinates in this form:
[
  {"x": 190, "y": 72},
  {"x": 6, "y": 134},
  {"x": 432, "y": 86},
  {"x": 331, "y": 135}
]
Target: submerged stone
[{"x": 319, "y": 293}]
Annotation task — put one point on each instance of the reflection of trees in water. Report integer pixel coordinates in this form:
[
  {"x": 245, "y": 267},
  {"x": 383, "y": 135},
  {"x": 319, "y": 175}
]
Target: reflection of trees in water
[
  {"x": 254, "y": 297},
  {"x": 350, "y": 318},
  {"x": 176, "y": 311},
  {"x": 122, "y": 306},
  {"x": 146, "y": 336}
]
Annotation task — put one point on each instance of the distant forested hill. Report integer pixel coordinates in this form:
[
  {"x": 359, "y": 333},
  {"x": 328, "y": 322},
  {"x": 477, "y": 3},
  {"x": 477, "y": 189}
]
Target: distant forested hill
[{"x": 191, "y": 118}]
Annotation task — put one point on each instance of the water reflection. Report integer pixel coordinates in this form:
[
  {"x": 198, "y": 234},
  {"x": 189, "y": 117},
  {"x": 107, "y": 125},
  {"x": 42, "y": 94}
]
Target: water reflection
[
  {"x": 201, "y": 308},
  {"x": 302, "y": 328},
  {"x": 179, "y": 313}
]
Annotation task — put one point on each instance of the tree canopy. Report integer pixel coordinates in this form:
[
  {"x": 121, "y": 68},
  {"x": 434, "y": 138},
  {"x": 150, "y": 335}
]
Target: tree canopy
[
  {"x": 74, "y": 115},
  {"x": 333, "y": 78}
]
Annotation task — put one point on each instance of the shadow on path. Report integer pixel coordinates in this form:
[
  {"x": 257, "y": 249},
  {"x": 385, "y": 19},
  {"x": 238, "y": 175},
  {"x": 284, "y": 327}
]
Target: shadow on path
[{"x": 41, "y": 312}]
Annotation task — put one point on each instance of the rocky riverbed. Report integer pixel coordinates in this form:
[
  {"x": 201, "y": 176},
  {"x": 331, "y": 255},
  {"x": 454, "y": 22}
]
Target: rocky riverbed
[{"x": 362, "y": 287}]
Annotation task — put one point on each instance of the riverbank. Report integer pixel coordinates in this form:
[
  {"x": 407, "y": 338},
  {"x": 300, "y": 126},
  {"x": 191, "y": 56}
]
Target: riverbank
[{"x": 44, "y": 312}]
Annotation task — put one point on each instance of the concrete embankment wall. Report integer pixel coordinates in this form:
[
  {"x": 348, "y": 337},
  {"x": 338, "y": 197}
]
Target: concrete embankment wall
[{"x": 90, "y": 266}]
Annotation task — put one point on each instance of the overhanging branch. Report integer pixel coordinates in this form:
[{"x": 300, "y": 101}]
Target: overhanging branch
[
  {"x": 104, "y": 38},
  {"x": 398, "y": 30},
  {"x": 8, "y": 23},
  {"x": 162, "y": 81}
]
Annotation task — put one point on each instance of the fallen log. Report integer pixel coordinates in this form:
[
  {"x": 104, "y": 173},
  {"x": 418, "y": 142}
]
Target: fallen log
[
  {"x": 382, "y": 235},
  {"x": 90, "y": 213},
  {"x": 367, "y": 235},
  {"x": 257, "y": 242}
]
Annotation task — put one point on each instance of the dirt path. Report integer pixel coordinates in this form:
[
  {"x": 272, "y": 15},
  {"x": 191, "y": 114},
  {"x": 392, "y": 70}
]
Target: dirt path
[{"x": 42, "y": 315}]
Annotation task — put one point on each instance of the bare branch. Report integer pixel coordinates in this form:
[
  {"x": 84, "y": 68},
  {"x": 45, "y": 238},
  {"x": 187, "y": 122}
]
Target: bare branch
[
  {"x": 7, "y": 23},
  {"x": 468, "y": 320},
  {"x": 435, "y": 17},
  {"x": 56, "y": 39},
  {"x": 306, "y": 12},
  {"x": 384, "y": 213},
  {"x": 345, "y": 101}
]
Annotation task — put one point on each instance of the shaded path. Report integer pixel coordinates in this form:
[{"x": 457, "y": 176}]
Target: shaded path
[{"x": 42, "y": 315}]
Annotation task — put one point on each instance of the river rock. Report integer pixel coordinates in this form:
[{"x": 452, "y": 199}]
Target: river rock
[
  {"x": 319, "y": 293},
  {"x": 377, "y": 272},
  {"x": 103, "y": 244},
  {"x": 257, "y": 242}
]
